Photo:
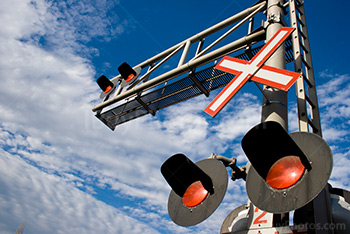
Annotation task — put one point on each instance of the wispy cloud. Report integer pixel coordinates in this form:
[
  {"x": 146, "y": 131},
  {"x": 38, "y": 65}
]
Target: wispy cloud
[
  {"x": 334, "y": 99},
  {"x": 69, "y": 25},
  {"x": 52, "y": 156},
  {"x": 50, "y": 205}
]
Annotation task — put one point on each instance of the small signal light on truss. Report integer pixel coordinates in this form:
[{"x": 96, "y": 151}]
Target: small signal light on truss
[
  {"x": 105, "y": 84},
  {"x": 128, "y": 73}
]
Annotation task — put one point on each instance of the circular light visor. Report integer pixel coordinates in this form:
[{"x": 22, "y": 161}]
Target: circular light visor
[
  {"x": 194, "y": 194},
  {"x": 285, "y": 172}
]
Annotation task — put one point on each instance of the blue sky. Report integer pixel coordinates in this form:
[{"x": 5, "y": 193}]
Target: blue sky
[{"x": 63, "y": 171}]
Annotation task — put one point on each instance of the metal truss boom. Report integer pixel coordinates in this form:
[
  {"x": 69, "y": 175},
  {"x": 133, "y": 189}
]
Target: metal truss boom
[
  {"x": 239, "y": 44},
  {"x": 201, "y": 57}
]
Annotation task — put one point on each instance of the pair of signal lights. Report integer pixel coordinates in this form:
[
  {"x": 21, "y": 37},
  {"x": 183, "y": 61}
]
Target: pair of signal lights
[
  {"x": 128, "y": 74},
  {"x": 287, "y": 171}
]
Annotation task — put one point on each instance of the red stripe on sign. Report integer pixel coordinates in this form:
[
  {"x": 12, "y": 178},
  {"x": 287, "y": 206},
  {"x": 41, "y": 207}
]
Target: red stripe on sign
[
  {"x": 214, "y": 111},
  {"x": 244, "y": 69},
  {"x": 288, "y": 31}
]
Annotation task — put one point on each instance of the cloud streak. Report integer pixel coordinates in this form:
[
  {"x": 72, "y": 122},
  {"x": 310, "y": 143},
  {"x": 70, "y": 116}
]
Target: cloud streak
[{"x": 51, "y": 205}]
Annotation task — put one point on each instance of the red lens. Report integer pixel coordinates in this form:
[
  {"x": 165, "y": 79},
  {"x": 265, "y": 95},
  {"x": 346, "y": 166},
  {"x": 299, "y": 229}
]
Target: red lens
[
  {"x": 285, "y": 172},
  {"x": 130, "y": 77},
  {"x": 107, "y": 89},
  {"x": 194, "y": 194}
]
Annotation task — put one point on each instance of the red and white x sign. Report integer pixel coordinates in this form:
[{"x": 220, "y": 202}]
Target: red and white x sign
[{"x": 254, "y": 70}]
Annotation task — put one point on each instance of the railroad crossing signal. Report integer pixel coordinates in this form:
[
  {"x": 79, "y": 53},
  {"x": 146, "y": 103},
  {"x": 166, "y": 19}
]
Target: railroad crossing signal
[
  {"x": 128, "y": 75},
  {"x": 127, "y": 72},
  {"x": 197, "y": 188},
  {"x": 312, "y": 159},
  {"x": 288, "y": 170},
  {"x": 254, "y": 70},
  {"x": 105, "y": 84}
]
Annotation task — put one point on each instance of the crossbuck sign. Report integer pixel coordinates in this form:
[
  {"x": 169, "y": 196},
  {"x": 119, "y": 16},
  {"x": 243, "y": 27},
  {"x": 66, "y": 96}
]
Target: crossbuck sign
[{"x": 254, "y": 70}]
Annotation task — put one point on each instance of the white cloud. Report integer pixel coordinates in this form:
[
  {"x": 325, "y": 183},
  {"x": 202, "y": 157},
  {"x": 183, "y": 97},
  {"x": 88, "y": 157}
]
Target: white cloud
[
  {"x": 334, "y": 99},
  {"x": 65, "y": 25},
  {"x": 242, "y": 113},
  {"x": 341, "y": 173},
  {"x": 50, "y": 205},
  {"x": 334, "y": 103},
  {"x": 293, "y": 125},
  {"x": 48, "y": 91}
]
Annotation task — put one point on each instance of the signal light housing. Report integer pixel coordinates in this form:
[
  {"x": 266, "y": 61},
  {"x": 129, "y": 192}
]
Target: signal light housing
[
  {"x": 180, "y": 172},
  {"x": 105, "y": 84},
  {"x": 197, "y": 188},
  {"x": 127, "y": 72},
  {"x": 288, "y": 170}
]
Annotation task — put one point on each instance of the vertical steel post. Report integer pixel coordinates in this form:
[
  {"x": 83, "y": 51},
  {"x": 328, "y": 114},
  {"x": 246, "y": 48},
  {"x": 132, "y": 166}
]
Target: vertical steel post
[{"x": 276, "y": 109}]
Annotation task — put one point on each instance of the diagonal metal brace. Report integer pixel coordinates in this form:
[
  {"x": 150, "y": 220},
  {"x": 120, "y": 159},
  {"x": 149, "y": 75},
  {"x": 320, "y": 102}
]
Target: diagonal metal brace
[
  {"x": 237, "y": 173},
  {"x": 152, "y": 112},
  {"x": 198, "y": 84}
]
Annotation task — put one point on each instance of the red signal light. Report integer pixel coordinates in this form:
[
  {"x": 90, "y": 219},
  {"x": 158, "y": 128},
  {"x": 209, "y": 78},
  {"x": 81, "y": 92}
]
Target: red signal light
[
  {"x": 130, "y": 77},
  {"x": 105, "y": 84},
  {"x": 108, "y": 89},
  {"x": 285, "y": 172},
  {"x": 194, "y": 195},
  {"x": 127, "y": 72},
  {"x": 197, "y": 188},
  {"x": 288, "y": 170}
]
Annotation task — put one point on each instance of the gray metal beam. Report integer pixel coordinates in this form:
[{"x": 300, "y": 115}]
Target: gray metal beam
[{"x": 276, "y": 108}]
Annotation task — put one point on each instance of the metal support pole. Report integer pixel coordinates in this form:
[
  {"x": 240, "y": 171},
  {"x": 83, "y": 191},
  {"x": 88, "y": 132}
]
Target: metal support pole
[
  {"x": 184, "y": 53},
  {"x": 276, "y": 108},
  {"x": 275, "y": 105}
]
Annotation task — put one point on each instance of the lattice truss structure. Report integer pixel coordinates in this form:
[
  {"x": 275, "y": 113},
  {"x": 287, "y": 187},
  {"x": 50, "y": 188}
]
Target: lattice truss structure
[{"x": 194, "y": 76}]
